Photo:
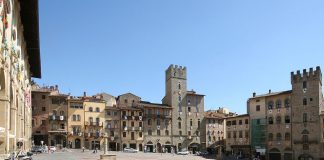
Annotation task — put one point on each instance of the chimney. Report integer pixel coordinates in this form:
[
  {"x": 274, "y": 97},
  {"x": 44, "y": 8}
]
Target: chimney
[
  {"x": 254, "y": 94},
  {"x": 269, "y": 91},
  {"x": 84, "y": 94}
]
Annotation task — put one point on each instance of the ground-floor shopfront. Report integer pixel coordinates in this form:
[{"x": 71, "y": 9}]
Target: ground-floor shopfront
[{"x": 58, "y": 139}]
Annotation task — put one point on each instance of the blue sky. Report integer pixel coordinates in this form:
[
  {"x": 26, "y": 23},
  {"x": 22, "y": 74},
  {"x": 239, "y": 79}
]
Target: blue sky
[{"x": 230, "y": 48}]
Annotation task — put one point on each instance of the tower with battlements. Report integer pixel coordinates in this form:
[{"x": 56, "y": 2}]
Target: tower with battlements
[
  {"x": 187, "y": 109},
  {"x": 306, "y": 102}
]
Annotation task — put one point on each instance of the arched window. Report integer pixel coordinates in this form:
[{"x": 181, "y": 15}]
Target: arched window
[
  {"x": 287, "y": 136},
  {"x": 166, "y": 132},
  {"x": 78, "y": 117},
  {"x": 97, "y": 109},
  {"x": 74, "y": 117},
  {"x": 278, "y": 103},
  {"x": 278, "y": 136},
  {"x": 179, "y": 125},
  {"x": 287, "y": 103},
  {"x": 278, "y": 119},
  {"x": 90, "y": 109},
  {"x": 270, "y": 120},
  {"x": 270, "y": 137},
  {"x": 179, "y": 85},
  {"x": 90, "y": 119},
  {"x": 149, "y": 132},
  {"x": 270, "y": 105}
]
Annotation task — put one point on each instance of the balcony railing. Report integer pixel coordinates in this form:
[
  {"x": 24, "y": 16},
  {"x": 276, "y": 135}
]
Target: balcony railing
[
  {"x": 57, "y": 118},
  {"x": 157, "y": 116},
  {"x": 125, "y": 128},
  {"x": 126, "y": 117}
]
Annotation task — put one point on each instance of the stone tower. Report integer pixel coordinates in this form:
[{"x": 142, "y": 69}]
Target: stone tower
[
  {"x": 306, "y": 103},
  {"x": 187, "y": 109}
]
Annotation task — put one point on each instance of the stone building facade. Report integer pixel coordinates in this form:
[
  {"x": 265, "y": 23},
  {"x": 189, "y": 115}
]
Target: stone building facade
[
  {"x": 19, "y": 61},
  {"x": 157, "y": 131},
  {"x": 238, "y": 135},
  {"x": 306, "y": 101},
  {"x": 213, "y": 135},
  {"x": 187, "y": 110},
  {"x": 131, "y": 121},
  {"x": 57, "y": 120}
]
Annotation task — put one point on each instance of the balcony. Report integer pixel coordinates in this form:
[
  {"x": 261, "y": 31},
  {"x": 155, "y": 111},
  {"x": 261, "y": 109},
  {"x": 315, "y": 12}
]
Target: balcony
[
  {"x": 157, "y": 116},
  {"x": 92, "y": 134},
  {"x": 126, "y": 117},
  {"x": 57, "y": 118},
  {"x": 58, "y": 130},
  {"x": 125, "y": 128},
  {"x": 79, "y": 134}
]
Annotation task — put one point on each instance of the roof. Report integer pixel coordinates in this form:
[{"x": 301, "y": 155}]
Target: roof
[
  {"x": 155, "y": 104},
  {"x": 59, "y": 95},
  {"x": 128, "y": 94},
  {"x": 29, "y": 19},
  {"x": 272, "y": 94},
  {"x": 214, "y": 115},
  {"x": 238, "y": 116},
  {"x": 194, "y": 93}
]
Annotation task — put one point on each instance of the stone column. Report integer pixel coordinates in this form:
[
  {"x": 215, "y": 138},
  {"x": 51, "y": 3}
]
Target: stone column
[{"x": 106, "y": 145}]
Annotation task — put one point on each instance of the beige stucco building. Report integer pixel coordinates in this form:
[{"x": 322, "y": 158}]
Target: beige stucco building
[
  {"x": 19, "y": 61},
  {"x": 94, "y": 116},
  {"x": 76, "y": 125}
]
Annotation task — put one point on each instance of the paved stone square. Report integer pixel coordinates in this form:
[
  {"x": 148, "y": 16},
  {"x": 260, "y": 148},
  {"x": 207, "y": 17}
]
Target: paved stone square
[{"x": 79, "y": 155}]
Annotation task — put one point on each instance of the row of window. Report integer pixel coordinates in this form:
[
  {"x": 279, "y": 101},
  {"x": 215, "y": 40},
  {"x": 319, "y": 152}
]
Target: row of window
[
  {"x": 140, "y": 134},
  {"x": 111, "y": 113},
  {"x": 140, "y": 124},
  {"x": 158, "y": 122},
  {"x": 278, "y": 104},
  {"x": 132, "y": 113},
  {"x": 91, "y": 109},
  {"x": 214, "y": 121},
  {"x": 191, "y": 123},
  {"x": 214, "y": 138},
  {"x": 278, "y": 120},
  {"x": 240, "y": 134},
  {"x": 76, "y": 117},
  {"x": 279, "y": 137},
  {"x": 240, "y": 122}
]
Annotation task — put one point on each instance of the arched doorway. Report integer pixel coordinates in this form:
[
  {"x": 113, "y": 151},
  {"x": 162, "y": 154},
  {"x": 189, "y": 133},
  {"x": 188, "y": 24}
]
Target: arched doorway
[
  {"x": 149, "y": 147},
  {"x": 140, "y": 147},
  {"x": 77, "y": 143},
  {"x": 194, "y": 147},
  {"x": 167, "y": 147},
  {"x": 274, "y": 153},
  {"x": 158, "y": 147},
  {"x": 305, "y": 157}
]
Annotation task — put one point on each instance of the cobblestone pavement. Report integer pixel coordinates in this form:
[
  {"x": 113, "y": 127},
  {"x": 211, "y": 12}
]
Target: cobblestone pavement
[{"x": 88, "y": 155}]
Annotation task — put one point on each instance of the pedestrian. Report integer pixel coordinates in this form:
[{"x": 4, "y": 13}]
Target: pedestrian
[
  {"x": 172, "y": 151},
  {"x": 96, "y": 149},
  {"x": 83, "y": 149}
]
